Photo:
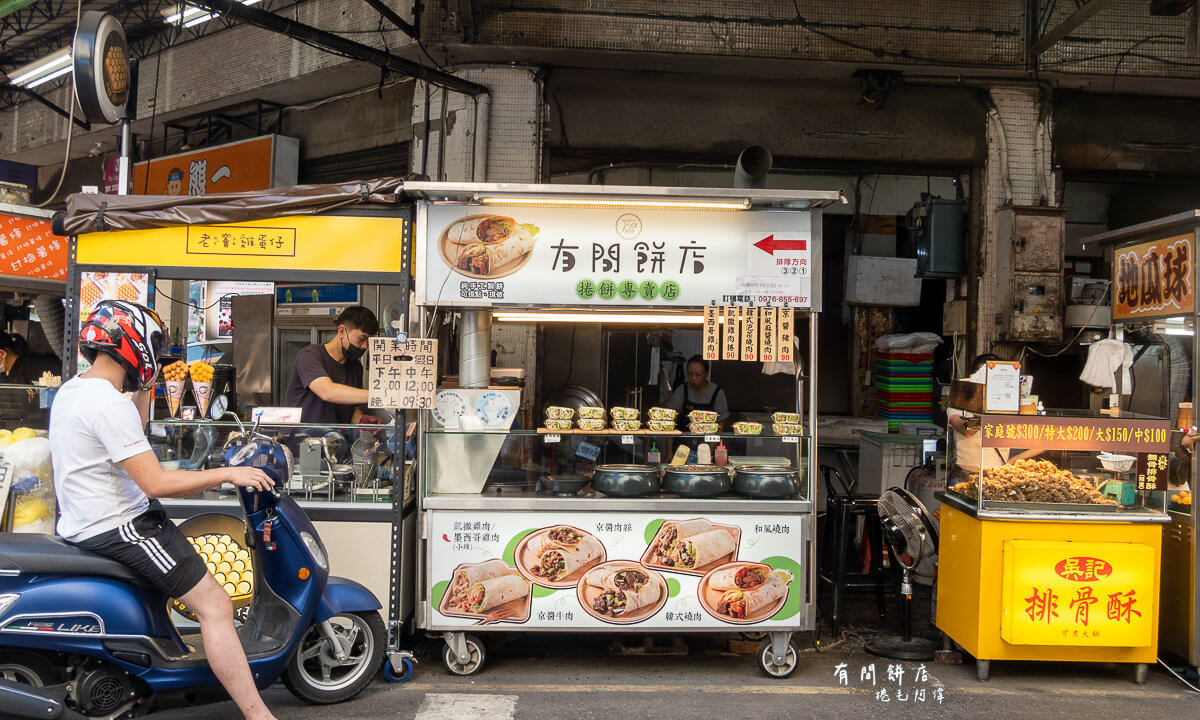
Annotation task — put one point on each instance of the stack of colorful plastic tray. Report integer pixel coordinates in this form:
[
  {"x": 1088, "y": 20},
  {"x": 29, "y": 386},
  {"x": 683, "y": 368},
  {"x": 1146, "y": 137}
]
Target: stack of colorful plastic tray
[{"x": 904, "y": 387}]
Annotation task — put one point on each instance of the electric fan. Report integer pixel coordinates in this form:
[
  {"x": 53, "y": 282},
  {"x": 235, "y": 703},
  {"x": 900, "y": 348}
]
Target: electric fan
[{"x": 909, "y": 530}]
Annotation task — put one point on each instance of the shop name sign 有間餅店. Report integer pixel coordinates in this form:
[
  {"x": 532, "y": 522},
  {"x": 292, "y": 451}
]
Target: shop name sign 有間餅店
[
  {"x": 1043, "y": 432},
  {"x": 615, "y": 259},
  {"x": 1154, "y": 279}
]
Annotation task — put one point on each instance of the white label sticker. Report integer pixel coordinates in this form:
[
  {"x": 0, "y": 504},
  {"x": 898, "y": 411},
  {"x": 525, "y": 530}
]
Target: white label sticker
[
  {"x": 712, "y": 438},
  {"x": 790, "y": 439},
  {"x": 626, "y": 439},
  {"x": 551, "y": 439},
  {"x": 588, "y": 451}
]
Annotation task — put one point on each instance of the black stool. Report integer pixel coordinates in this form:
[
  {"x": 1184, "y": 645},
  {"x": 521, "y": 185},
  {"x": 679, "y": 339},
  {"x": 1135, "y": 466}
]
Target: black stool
[{"x": 842, "y": 506}]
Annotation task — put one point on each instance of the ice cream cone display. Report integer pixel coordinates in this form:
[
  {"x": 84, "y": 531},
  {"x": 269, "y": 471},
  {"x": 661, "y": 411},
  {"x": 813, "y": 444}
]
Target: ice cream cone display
[
  {"x": 175, "y": 374},
  {"x": 202, "y": 377}
]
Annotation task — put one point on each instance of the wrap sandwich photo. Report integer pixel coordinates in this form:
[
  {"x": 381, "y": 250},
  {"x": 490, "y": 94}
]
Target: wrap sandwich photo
[
  {"x": 559, "y": 536},
  {"x": 483, "y": 259},
  {"x": 557, "y": 563},
  {"x": 673, "y": 530},
  {"x": 469, "y": 575},
  {"x": 489, "y": 594},
  {"x": 697, "y": 551},
  {"x": 482, "y": 229},
  {"x": 742, "y": 604},
  {"x": 616, "y": 602},
  {"x": 739, "y": 577}
]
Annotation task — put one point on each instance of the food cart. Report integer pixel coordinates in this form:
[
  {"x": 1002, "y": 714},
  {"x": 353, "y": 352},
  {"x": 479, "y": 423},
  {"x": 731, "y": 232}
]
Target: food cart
[
  {"x": 1165, "y": 249},
  {"x": 350, "y": 241},
  {"x": 516, "y": 532},
  {"x": 33, "y": 264}
]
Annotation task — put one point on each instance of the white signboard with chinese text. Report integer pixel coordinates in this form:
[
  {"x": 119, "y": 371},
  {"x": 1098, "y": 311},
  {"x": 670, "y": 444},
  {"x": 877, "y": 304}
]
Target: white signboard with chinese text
[
  {"x": 402, "y": 374},
  {"x": 602, "y": 569},
  {"x": 614, "y": 258}
]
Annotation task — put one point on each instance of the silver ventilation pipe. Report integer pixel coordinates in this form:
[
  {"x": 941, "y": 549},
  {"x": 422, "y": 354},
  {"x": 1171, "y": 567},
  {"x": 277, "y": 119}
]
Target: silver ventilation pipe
[
  {"x": 752, "y": 167},
  {"x": 475, "y": 348}
]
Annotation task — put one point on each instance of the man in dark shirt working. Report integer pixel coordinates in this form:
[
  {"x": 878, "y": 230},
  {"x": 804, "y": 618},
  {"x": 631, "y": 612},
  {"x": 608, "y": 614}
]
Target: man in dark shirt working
[{"x": 327, "y": 380}]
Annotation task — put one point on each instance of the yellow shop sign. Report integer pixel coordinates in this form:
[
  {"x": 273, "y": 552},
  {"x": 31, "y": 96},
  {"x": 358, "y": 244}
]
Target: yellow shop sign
[{"x": 1086, "y": 594}]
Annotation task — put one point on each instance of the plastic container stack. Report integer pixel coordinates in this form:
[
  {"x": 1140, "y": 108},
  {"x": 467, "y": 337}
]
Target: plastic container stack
[{"x": 903, "y": 387}]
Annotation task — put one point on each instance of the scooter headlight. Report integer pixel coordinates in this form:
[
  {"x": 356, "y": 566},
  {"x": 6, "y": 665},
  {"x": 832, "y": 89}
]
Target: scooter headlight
[
  {"x": 314, "y": 547},
  {"x": 7, "y": 600}
]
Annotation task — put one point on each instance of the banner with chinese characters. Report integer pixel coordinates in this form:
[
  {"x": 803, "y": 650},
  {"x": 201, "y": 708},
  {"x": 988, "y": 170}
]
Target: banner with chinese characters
[
  {"x": 614, "y": 258},
  {"x": 1153, "y": 279},
  {"x": 1079, "y": 593},
  {"x": 1045, "y": 432},
  {"x": 598, "y": 569},
  {"x": 29, "y": 249}
]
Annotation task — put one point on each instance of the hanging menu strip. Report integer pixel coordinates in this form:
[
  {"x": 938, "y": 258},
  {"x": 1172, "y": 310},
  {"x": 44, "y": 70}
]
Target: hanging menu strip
[
  {"x": 750, "y": 334},
  {"x": 712, "y": 332},
  {"x": 786, "y": 334},
  {"x": 730, "y": 343},
  {"x": 768, "y": 319},
  {"x": 403, "y": 374}
]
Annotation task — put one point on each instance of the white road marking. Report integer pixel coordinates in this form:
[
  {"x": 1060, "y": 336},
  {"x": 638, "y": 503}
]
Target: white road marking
[{"x": 457, "y": 706}]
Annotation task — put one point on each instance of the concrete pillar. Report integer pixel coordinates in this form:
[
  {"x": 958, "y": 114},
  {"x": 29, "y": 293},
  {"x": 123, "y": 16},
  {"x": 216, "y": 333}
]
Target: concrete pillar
[{"x": 1018, "y": 172}]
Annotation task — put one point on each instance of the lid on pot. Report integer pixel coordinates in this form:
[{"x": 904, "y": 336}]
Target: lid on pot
[
  {"x": 766, "y": 469},
  {"x": 695, "y": 469},
  {"x": 625, "y": 468}
]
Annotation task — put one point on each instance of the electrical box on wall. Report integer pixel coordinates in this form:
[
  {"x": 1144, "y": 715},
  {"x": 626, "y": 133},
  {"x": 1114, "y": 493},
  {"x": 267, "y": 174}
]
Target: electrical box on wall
[
  {"x": 1029, "y": 251},
  {"x": 882, "y": 281},
  {"x": 939, "y": 227},
  {"x": 954, "y": 317}
]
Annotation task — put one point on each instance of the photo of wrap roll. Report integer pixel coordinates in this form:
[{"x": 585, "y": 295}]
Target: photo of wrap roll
[
  {"x": 466, "y": 577},
  {"x": 706, "y": 548},
  {"x": 635, "y": 599},
  {"x": 496, "y": 591},
  {"x": 575, "y": 558},
  {"x": 763, "y": 596},
  {"x": 674, "y": 530},
  {"x": 726, "y": 578},
  {"x": 486, "y": 258},
  {"x": 482, "y": 228},
  {"x": 541, "y": 542}
]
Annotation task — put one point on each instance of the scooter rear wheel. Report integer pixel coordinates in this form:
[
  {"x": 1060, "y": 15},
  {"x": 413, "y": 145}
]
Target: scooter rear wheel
[
  {"x": 315, "y": 675},
  {"x": 28, "y": 669}
]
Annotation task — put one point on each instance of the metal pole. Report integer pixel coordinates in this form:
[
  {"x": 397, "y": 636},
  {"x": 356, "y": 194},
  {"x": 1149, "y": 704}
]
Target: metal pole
[{"x": 126, "y": 149}]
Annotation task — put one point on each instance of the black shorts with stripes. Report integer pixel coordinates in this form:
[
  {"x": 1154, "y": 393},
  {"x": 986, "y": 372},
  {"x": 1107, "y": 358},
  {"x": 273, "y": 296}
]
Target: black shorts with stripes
[{"x": 153, "y": 547}]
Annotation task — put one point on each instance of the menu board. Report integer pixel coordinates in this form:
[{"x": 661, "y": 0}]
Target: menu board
[
  {"x": 1154, "y": 279},
  {"x": 786, "y": 334},
  {"x": 730, "y": 345},
  {"x": 768, "y": 325},
  {"x": 712, "y": 332},
  {"x": 402, "y": 375},
  {"x": 749, "y": 334}
]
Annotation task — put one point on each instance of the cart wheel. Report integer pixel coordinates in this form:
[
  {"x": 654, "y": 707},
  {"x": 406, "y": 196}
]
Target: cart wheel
[
  {"x": 766, "y": 660},
  {"x": 403, "y": 674},
  {"x": 983, "y": 670},
  {"x": 1141, "y": 672},
  {"x": 472, "y": 666},
  {"x": 753, "y": 636}
]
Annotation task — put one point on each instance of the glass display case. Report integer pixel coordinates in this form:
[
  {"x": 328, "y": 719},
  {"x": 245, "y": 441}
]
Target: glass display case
[
  {"x": 330, "y": 463},
  {"x": 25, "y": 406},
  {"x": 1061, "y": 464},
  {"x": 546, "y": 468}
]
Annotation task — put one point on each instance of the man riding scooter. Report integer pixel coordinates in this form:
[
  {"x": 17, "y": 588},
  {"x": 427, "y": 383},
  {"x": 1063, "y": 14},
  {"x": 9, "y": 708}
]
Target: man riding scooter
[{"x": 108, "y": 482}]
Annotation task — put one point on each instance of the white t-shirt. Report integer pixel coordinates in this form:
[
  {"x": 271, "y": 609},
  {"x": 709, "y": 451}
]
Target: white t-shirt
[
  {"x": 969, "y": 452},
  {"x": 92, "y": 429}
]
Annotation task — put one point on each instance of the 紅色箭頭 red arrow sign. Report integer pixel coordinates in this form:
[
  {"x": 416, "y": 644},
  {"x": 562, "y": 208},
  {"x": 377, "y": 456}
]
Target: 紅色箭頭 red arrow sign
[{"x": 769, "y": 244}]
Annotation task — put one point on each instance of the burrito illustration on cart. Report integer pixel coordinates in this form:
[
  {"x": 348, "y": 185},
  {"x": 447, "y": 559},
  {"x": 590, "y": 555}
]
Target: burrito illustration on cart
[
  {"x": 689, "y": 546},
  {"x": 490, "y": 590},
  {"x": 622, "y": 592},
  {"x": 744, "y": 592},
  {"x": 555, "y": 556}
]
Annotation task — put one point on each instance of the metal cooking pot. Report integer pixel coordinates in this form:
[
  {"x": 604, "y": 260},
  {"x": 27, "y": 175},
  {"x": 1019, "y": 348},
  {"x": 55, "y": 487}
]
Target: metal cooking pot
[
  {"x": 766, "y": 481},
  {"x": 696, "y": 480},
  {"x": 625, "y": 480}
]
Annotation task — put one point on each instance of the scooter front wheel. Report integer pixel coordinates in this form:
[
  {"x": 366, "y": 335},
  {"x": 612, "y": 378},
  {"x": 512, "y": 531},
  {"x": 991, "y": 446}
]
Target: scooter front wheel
[{"x": 317, "y": 674}]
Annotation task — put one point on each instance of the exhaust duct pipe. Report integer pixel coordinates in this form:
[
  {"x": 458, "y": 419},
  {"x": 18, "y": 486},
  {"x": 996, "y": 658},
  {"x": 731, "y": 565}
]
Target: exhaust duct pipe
[
  {"x": 475, "y": 349},
  {"x": 752, "y": 167}
]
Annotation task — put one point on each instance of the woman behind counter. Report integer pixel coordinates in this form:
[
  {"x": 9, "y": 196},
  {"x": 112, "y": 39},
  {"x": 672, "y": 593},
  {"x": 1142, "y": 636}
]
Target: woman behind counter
[{"x": 698, "y": 393}]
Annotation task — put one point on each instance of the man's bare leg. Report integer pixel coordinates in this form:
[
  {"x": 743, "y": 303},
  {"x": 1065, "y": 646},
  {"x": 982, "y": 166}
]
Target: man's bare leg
[{"x": 214, "y": 610}]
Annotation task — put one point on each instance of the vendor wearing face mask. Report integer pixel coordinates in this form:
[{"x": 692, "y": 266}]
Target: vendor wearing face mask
[
  {"x": 21, "y": 366},
  {"x": 327, "y": 380}
]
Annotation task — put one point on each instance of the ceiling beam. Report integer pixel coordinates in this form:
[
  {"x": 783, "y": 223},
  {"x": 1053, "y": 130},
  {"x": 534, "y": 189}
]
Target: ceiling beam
[
  {"x": 394, "y": 17},
  {"x": 1051, "y": 37},
  {"x": 329, "y": 42}
]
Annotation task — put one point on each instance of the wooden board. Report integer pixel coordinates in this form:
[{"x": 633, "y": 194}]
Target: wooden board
[{"x": 608, "y": 431}]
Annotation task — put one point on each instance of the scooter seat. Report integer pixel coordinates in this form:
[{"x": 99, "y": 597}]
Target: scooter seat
[{"x": 34, "y": 554}]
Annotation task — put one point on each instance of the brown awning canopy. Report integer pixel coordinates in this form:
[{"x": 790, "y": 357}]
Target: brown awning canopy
[{"x": 100, "y": 213}]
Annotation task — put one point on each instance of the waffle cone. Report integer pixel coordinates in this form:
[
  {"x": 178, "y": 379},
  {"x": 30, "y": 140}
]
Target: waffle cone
[
  {"x": 174, "y": 396},
  {"x": 203, "y": 392}
]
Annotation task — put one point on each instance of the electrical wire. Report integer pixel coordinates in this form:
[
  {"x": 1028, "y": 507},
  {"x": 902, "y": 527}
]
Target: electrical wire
[
  {"x": 1071, "y": 342},
  {"x": 62, "y": 175},
  {"x": 1178, "y": 676}
]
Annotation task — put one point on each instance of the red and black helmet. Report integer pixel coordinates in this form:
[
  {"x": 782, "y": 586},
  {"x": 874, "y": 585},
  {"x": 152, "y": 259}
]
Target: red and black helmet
[{"x": 129, "y": 333}]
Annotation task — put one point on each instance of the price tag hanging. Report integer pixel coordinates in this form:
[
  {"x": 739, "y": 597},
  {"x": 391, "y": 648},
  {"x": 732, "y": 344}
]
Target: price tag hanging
[
  {"x": 749, "y": 334},
  {"x": 768, "y": 319},
  {"x": 730, "y": 333},
  {"x": 786, "y": 334},
  {"x": 712, "y": 332}
]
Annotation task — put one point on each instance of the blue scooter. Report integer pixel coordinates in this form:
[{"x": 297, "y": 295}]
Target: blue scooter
[{"x": 83, "y": 636}]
